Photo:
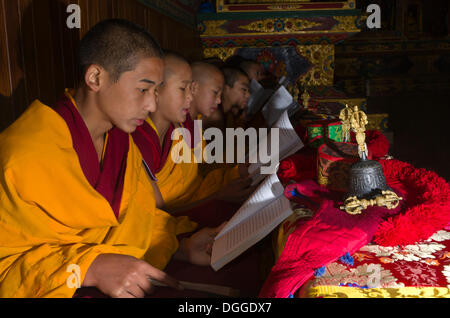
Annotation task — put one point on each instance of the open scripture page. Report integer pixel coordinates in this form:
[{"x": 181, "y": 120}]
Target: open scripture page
[
  {"x": 258, "y": 96},
  {"x": 288, "y": 143},
  {"x": 265, "y": 193},
  {"x": 276, "y": 105},
  {"x": 249, "y": 232}
]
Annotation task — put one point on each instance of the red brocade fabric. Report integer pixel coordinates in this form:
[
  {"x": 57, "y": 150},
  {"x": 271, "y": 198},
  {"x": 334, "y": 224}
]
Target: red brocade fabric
[{"x": 422, "y": 265}]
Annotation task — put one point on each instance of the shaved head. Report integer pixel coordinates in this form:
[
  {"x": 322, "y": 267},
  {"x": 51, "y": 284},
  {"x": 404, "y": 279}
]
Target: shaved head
[
  {"x": 202, "y": 71},
  {"x": 232, "y": 74},
  {"x": 117, "y": 46},
  {"x": 171, "y": 62},
  {"x": 207, "y": 87}
]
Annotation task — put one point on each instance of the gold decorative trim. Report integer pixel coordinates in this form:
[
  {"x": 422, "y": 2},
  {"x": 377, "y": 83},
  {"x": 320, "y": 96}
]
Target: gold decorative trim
[
  {"x": 346, "y": 24},
  {"x": 376, "y": 120},
  {"x": 290, "y": 25},
  {"x": 321, "y": 179},
  {"x": 285, "y": 7},
  {"x": 214, "y": 28},
  {"x": 322, "y": 57},
  {"x": 221, "y": 52},
  {"x": 398, "y": 292}
]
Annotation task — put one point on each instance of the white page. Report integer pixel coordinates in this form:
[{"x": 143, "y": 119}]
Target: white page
[
  {"x": 283, "y": 81},
  {"x": 258, "y": 177},
  {"x": 267, "y": 191},
  {"x": 256, "y": 91},
  {"x": 289, "y": 143},
  {"x": 276, "y": 105},
  {"x": 255, "y": 164},
  {"x": 255, "y": 86},
  {"x": 249, "y": 232},
  {"x": 293, "y": 108},
  {"x": 259, "y": 95}
]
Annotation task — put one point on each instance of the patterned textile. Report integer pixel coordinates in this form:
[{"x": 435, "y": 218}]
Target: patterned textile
[
  {"x": 321, "y": 131},
  {"x": 334, "y": 162},
  {"x": 418, "y": 270}
]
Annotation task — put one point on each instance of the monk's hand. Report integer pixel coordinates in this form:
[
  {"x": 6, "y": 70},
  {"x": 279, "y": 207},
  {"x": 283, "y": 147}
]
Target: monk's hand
[
  {"x": 237, "y": 191},
  {"x": 123, "y": 276},
  {"x": 197, "y": 248}
]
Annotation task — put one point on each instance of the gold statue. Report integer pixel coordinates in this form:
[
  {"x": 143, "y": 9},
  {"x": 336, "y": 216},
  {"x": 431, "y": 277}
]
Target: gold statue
[
  {"x": 358, "y": 122},
  {"x": 345, "y": 116}
]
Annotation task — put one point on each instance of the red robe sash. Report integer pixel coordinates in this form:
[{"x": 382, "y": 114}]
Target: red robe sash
[
  {"x": 108, "y": 176},
  {"x": 147, "y": 140}
]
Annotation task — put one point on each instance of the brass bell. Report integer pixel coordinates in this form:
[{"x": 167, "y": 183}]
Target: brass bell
[
  {"x": 367, "y": 180},
  {"x": 367, "y": 183}
]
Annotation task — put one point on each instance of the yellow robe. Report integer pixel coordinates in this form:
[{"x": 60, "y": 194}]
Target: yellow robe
[
  {"x": 182, "y": 183},
  {"x": 51, "y": 217}
]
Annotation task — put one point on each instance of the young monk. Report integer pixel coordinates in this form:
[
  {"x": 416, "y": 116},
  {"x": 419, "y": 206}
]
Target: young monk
[
  {"x": 252, "y": 69},
  {"x": 179, "y": 185},
  {"x": 77, "y": 208},
  {"x": 235, "y": 96},
  {"x": 207, "y": 87}
]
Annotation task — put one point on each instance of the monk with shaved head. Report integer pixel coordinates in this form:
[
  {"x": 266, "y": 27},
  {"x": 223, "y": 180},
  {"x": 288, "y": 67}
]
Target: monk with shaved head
[
  {"x": 229, "y": 109},
  {"x": 207, "y": 87},
  {"x": 77, "y": 206},
  {"x": 179, "y": 185}
]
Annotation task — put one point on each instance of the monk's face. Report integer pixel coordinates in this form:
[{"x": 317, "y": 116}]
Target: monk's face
[
  {"x": 254, "y": 72},
  {"x": 128, "y": 102},
  {"x": 207, "y": 93},
  {"x": 174, "y": 96},
  {"x": 237, "y": 95}
]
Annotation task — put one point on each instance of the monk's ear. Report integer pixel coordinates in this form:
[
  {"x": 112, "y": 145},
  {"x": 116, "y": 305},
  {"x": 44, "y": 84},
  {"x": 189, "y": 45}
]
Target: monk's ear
[
  {"x": 92, "y": 77},
  {"x": 194, "y": 87}
]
